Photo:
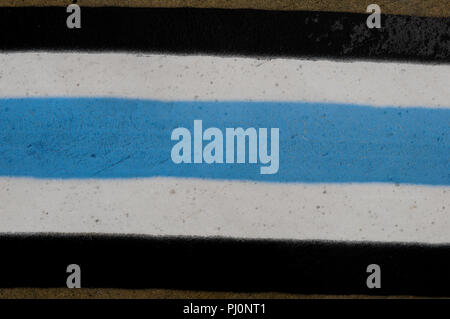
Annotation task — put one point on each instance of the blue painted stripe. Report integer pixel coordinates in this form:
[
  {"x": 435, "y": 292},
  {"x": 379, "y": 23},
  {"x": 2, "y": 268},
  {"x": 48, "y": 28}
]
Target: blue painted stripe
[{"x": 125, "y": 138}]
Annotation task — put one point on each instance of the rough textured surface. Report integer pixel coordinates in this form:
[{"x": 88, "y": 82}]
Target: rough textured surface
[
  {"x": 107, "y": 293},
  {"x": 436, "y": 8},
  {"x": 158, "y": 207},
  {"x": 208, "y": 78},
  {"x": 252, "y": 33},
  {"x": 172, "y": 201},
  {"x": 432, "y": 39},
  {"x": 391, "y": 38}
]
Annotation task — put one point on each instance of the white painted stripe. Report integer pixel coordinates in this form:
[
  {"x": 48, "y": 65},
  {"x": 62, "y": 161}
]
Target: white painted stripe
[
  {"x": 167, "y": 77},
  {"x": 169, "y": 206}
]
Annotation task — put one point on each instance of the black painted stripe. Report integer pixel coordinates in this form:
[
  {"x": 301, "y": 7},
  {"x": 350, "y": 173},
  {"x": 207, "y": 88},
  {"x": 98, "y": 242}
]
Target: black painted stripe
[
  {"x": 224, "y": 32},
  {"x": 224, "y": 264}
]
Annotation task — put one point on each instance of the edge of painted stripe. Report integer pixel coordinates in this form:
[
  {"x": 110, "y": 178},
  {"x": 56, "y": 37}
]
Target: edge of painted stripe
[
  {"x": 405, "y": 7},
  {"x": 210, "y": 78},
  {"x": 228, "y": 32},
  {"x": 221, "y": 264},
  {"x": 162, "y": 206}
]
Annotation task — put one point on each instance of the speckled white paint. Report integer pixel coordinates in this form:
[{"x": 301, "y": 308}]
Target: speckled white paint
[
  {"x": 169, "y": 206},
  {"x": 168, "y": 77}
]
